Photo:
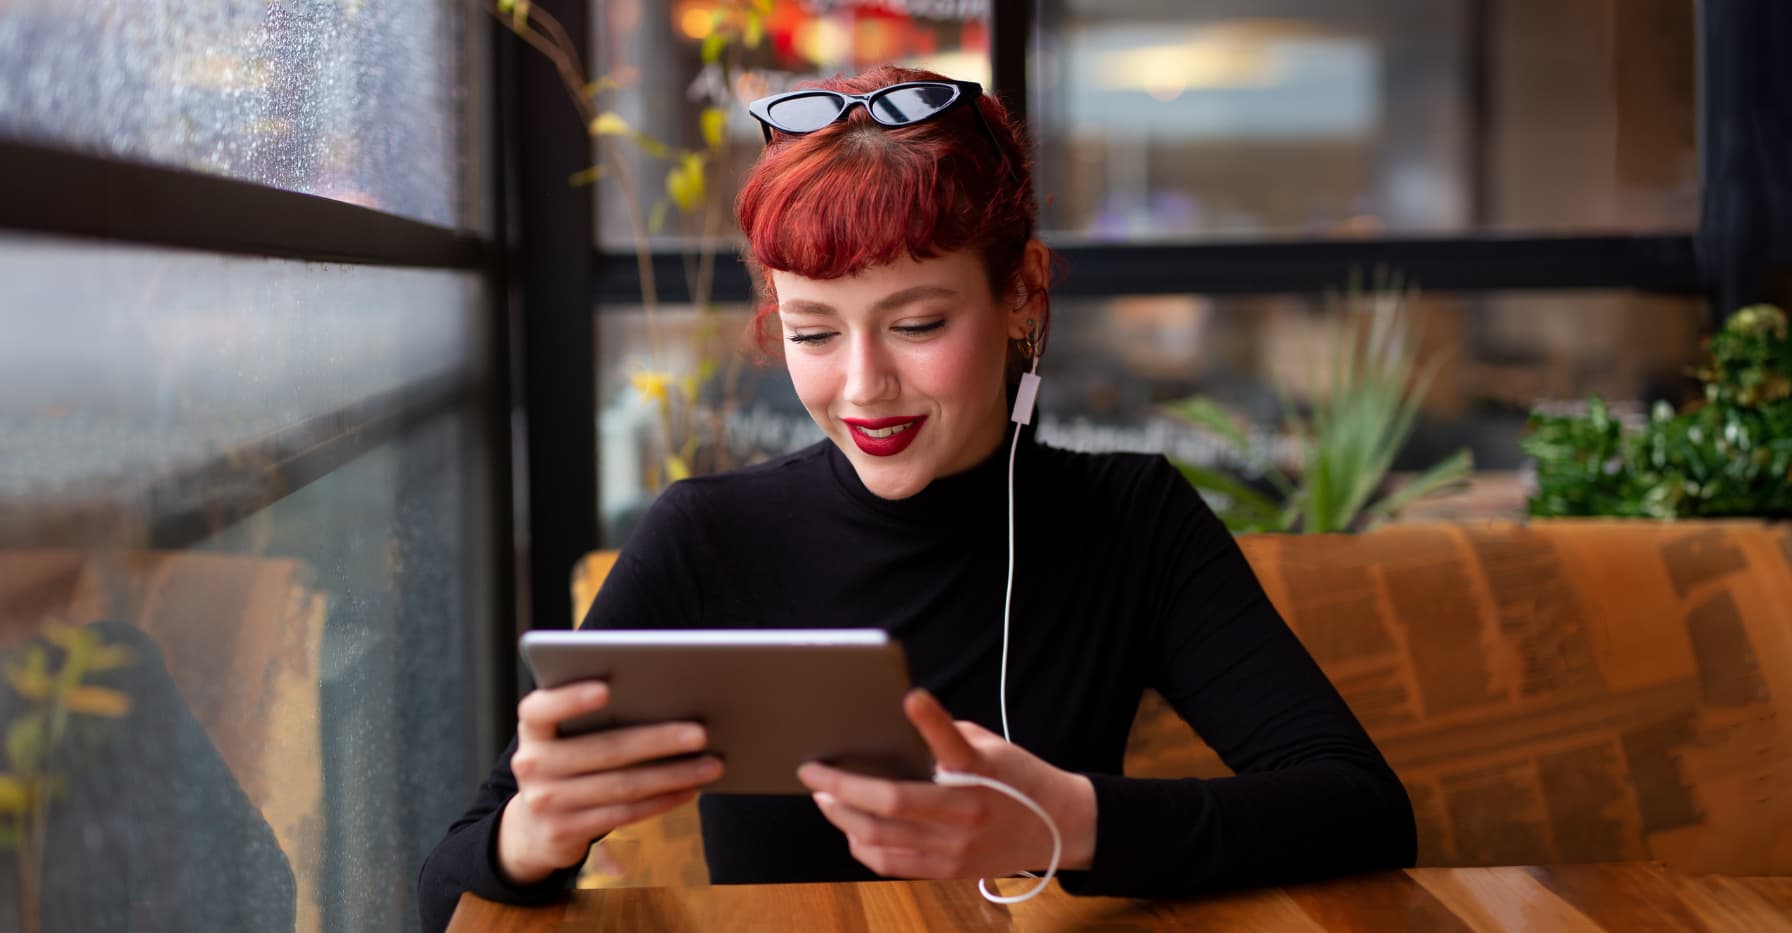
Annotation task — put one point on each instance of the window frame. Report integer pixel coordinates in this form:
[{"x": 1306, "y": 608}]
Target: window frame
[{"x": 51, "y": 190}]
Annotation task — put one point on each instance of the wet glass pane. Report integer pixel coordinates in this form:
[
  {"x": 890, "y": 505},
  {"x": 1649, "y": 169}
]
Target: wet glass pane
[
  {"x": 245, "y": 545},
  {"x": 374, "y": 102}
]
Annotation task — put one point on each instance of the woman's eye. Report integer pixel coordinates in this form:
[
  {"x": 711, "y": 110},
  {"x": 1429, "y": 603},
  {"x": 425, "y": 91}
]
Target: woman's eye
[
  {"x": 913, "y": 329},
  {"x": 812, "y": 338}
]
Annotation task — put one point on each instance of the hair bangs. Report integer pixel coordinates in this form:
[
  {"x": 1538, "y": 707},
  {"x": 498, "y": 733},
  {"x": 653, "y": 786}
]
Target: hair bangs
[{"x": 836, "y": 207}]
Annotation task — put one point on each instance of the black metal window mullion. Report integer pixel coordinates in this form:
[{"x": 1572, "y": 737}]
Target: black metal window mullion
[
  {"x": 493, "y": 671},
  {"x": 1010, "y": 38},
  {"x": 1667, "y": 263},
  {"x": 1651, "y": 263},
  {"x": 555, "y": 228},
  {"x": 50, "y": 190},
  {"x": 1745, "y": 130}
]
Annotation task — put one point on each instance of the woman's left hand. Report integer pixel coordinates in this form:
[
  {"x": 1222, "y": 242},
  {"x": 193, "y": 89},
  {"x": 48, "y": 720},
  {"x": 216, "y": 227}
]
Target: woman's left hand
[{"x": 910, "y": 829}]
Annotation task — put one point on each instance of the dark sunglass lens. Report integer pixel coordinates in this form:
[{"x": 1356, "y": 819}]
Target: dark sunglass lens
[
  {"x": 804, "y": 114},
  {"x": 908, "y": 104}
]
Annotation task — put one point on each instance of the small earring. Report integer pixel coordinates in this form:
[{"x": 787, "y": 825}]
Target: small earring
[{"x": 1029, "y": 345}]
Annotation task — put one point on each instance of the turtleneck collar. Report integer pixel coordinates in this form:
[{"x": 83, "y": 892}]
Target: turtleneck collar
[{"x": 948, "y": 499}]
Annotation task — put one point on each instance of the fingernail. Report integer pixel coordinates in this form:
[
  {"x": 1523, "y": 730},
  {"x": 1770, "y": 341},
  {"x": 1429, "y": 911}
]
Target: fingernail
[
  {"x": 691, "y": 736},
  {"x": 593, "y": 692},
  {"x": 708, "y": 769},
  {"x": 823, "y": 798}
]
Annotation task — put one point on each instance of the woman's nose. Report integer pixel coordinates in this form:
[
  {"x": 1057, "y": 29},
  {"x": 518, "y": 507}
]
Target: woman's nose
[{"x": 870, "y": 377}]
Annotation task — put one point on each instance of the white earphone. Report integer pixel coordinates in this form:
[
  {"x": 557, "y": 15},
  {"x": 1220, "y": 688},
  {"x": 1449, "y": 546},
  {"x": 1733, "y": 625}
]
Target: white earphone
[{"x": 1022, "y": 416}]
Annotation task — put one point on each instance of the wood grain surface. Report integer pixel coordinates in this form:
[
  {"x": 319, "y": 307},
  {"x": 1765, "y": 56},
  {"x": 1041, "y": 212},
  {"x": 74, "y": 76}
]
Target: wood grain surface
[{"x": 1621, "y": 898}]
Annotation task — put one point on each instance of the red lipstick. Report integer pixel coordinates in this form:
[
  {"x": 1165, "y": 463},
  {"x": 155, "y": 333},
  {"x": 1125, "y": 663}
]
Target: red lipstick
[{"x": 897, "y": 433}]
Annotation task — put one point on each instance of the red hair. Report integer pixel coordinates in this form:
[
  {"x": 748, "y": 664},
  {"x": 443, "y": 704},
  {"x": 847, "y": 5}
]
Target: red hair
[{"x": 857, "y": 194}]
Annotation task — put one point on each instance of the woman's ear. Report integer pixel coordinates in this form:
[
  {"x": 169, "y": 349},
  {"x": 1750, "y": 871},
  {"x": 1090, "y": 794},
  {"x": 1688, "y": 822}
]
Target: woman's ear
[
  {"x": 1027, "y": 304},
  {"x": 1017, "y": 314}
]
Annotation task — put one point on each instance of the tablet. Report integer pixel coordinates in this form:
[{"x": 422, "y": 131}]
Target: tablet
[{"x": 771, "y": 699}]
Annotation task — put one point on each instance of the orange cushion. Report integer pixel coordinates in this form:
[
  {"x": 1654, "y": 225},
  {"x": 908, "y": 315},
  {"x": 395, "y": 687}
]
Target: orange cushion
[{"x": 1565, "y": 691}]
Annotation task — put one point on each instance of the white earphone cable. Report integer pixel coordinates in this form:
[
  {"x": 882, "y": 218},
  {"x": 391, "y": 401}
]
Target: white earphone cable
[
  {"x": 961, "y": 779},
  {"x": 1008, "y": 588},
  {"x": 1023, "y": 414}
]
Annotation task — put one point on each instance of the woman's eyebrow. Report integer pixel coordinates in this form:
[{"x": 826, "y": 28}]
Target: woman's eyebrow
[
  {"x": 801, "y": 306},
  {"x": 912, "y": 294},
  {"x": 888, "y": 302}
]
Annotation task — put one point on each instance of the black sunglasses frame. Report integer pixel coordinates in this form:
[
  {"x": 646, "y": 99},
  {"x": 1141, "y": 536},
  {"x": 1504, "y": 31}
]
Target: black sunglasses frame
[{"x": 962, "y": 92}]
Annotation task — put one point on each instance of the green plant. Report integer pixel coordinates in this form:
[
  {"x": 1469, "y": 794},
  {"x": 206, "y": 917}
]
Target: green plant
[
  {"x": 687, "y": 413},
  {"x": 49, "y": 674},
  {"x": 1730, "y": 454},
  {"x": 1372, "y": 387}
]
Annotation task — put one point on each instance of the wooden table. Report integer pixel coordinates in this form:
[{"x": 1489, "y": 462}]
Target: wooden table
[{"x": 1622, "y": 898}]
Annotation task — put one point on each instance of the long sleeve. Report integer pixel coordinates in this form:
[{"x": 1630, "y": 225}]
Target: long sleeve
[
  {"x": 1125, "y": 580},
  {"x": 652, "y": 585},
  {"x": 1311, "y": 797},
  {"x": 467, "y": 858}
]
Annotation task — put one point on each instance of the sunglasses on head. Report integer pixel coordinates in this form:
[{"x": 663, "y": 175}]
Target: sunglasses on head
[{"x": 798, "y": 112}]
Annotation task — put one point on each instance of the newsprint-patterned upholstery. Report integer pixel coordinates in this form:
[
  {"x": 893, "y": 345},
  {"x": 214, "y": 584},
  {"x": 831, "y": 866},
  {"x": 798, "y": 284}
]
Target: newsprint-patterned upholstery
[{"x": 1563, "y": 691}]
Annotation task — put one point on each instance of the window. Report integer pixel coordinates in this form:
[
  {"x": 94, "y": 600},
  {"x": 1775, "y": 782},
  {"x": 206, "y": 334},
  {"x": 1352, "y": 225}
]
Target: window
[
  {"x": 367, "y": 103},
  {"x": 1209, "y": 170},
  {"x": 1176, "y": 121},
  {"x": 251, "y": 500}
]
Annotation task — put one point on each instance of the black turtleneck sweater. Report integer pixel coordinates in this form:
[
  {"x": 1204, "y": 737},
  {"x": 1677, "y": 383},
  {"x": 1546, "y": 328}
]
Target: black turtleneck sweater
[{"x": 1124, "y": 580}]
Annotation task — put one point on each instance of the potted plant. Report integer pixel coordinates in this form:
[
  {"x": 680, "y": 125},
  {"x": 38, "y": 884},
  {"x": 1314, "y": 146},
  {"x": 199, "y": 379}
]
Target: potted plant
[
  {"x": 1727, "y": 454},
  {"x": 1372, "y": 387}
]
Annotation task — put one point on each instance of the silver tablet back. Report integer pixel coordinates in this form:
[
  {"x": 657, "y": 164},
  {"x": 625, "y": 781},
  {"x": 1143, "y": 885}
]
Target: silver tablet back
[{"x": 769, "y": 699}]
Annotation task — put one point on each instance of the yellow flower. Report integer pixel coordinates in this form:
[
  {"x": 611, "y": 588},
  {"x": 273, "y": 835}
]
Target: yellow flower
[
  {"x": 684, "y": 183},
  {"x": 711, "y": 123},
  {"x": 99, "y": 701},
  {"x": 653, "y": 386},
  {"x": 31, "y": 681},
  {"x": 14, "y": 796},
  {"x": 609, "y": 124}
]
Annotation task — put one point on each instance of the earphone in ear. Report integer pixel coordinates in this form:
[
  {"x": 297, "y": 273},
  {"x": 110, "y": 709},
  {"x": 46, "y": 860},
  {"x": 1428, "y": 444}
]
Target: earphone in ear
[
  {"x": 1023, "y": 400},
  {"x": 1028, "y": 391}
]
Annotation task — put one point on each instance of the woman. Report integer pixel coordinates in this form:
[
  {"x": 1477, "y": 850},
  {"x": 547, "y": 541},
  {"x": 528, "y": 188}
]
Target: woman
[{"x": 894, "y": 233}]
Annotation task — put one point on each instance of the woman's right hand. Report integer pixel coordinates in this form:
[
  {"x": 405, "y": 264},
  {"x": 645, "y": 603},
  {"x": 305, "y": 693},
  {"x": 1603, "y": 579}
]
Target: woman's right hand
[{"x": 572, "y": 790}]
